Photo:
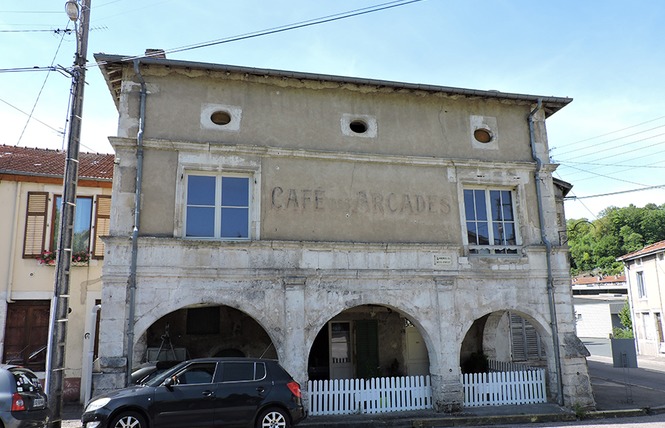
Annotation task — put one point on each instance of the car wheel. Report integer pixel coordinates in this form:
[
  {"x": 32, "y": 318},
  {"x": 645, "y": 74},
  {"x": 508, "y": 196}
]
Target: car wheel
[
  {"x": 128, "y": 420},
  {"x": 273, "y": 418}
]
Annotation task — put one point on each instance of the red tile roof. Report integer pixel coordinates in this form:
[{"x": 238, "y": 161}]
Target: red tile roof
[
  {"x": 649, "y": 249},
  {"x": 584, "y": 280},
  {"x": 51, "y": 163}
]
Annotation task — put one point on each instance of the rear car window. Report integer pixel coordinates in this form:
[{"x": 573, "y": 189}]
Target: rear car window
[
  {"x": 243, "y": 371},
  {"x": 26, "y": 381}
]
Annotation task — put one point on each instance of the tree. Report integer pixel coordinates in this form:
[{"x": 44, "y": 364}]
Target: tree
[
  {"x": 626, "y": 321},
  {"x": 595, "y": 246}
]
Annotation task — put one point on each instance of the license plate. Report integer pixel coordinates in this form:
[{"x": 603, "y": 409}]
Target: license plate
[{"x": 39, "y": 402}]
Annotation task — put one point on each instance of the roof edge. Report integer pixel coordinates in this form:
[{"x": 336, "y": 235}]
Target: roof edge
[{"x": 552, "y": 103}]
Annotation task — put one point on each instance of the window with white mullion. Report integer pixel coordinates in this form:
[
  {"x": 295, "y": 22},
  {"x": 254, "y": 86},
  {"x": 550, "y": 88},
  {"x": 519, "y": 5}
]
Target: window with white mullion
[
  {"x": 490, "y": 221},
  {"x": 217, "y": 207}
]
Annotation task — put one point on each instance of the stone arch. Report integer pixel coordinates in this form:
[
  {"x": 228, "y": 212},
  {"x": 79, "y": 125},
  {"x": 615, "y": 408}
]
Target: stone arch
[
  {"x": 166, "y": 307},
  {"x": 488, "y": 335},
  {"x": 393, "y": 325}
]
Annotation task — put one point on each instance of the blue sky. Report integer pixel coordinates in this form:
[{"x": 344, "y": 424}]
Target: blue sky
[{"x": 606, "y": 55}]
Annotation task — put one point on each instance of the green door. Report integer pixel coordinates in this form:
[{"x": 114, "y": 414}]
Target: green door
[{"x": 367, "y": 349}]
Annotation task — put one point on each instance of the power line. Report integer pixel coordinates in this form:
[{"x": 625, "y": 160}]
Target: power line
[
  {"x": 288, "y": 27},
  {"x": 607, "y": 176},
  {"x": 614, "y": 193},
  {"x": 612, "y": 140},
  {"x": 39, "y": 94},
  {"x": 614, "y": 132},
  {"x": 274, "y": 30},
  {"x": 619, "y": 165},
  {"x": 56, "y": 31},
  {"x": 24, "y": 69},
  {"x": 35, "y": 119},
  {"x": 618, "y": 146}
]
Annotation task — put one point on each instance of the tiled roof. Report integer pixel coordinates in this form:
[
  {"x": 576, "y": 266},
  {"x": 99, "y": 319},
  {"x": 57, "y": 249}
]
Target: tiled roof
[
  {"x": 649, "y": 249},
  {"x": 51, "y": 163},
  {"x": 610, "y": 279}
]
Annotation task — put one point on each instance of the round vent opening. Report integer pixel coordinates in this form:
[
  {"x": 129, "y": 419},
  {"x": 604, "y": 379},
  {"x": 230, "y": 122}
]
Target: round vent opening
[
  {"x": 358, "y": 126},
  {"x": 483, "y": 135},
  {"x": 220, "y": 117}
]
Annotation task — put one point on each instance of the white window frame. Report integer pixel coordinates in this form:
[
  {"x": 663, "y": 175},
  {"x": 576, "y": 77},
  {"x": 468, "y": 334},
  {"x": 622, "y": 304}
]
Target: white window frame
[
  {"x": 501, "y": 250},
  {"x": 218, "y": 204}
]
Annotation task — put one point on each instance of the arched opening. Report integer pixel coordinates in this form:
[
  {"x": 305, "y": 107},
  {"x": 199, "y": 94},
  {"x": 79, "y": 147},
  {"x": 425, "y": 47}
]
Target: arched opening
[
  {"x": 365, "y": 342},
  {"x": 505, "y": 336},
  {"x": 205, "y": 331}
]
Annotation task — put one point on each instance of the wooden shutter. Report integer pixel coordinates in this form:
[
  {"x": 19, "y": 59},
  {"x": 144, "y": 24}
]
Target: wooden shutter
[
  {"x": 102, "y": 225},
  {"x": 525, "y": 340},
  {"x": 35, "y": 224}
]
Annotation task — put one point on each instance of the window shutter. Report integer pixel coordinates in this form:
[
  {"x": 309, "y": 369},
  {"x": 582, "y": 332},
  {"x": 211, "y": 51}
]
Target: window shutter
[
  {"x": 102, "y": 225},
  {"x": 35, "y": 224},
  {"x": 525, "y": 340}
]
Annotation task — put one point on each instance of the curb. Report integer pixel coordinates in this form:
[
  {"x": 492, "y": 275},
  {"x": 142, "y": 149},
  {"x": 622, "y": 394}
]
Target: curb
[{"x": 494, "y": 420}]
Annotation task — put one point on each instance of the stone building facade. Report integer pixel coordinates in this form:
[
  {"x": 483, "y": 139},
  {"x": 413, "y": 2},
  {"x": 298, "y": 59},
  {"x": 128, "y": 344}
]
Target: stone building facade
[{"x": 347, "y": 227}]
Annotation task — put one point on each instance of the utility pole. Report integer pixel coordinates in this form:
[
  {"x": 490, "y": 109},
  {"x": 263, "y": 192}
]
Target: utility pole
[{"x": 55, "y": 369}]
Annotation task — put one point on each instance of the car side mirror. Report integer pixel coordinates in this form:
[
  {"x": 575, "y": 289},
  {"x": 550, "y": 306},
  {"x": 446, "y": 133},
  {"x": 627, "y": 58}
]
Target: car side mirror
[{"x": 169, "y": 382}]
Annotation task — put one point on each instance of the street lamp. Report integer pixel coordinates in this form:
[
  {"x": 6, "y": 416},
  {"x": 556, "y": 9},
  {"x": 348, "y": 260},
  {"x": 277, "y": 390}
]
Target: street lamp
[
  {"x": 55, "y": 366},
  {"x": 72, "y": 9}
]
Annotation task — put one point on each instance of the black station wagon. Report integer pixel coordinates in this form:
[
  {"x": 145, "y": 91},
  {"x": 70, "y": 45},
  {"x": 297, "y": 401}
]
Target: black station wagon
[{"x": 207, "y": 392}]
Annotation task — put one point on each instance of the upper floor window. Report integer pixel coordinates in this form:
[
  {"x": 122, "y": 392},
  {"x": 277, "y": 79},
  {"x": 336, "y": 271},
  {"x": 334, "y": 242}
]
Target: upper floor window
[
  {"x": 217, "y": 206},
  {"x": 641, "y": 287},
  {"x": 82, "y": 224},
  {"x": 490, "y": 221},
  {"x": 91, "y": 220}
]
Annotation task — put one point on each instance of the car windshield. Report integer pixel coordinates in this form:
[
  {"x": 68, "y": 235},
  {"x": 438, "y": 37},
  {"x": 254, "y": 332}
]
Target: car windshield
[{"x": 157, "y": 380}]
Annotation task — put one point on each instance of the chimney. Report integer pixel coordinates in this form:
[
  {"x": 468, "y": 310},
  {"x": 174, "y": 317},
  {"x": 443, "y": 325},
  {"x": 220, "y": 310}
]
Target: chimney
[{"x": 155, "y": 53}]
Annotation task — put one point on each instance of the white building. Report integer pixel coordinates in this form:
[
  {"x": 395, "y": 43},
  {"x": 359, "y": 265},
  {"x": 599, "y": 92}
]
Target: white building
[{"x": 645, "y": 272}]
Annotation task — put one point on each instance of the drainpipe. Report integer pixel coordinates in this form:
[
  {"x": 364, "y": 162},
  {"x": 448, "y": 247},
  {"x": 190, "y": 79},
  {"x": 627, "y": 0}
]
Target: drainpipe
[
  {"x": 131, "y": 283},
  {"x": 12, "y": 248},
  {"x": 548, "y": 247},
  {"x": 87, "y": 363}
]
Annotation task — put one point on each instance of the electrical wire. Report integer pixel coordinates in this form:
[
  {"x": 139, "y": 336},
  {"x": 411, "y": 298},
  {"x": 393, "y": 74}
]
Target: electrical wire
[
  {"x": 284, "y": 28},
  {"x": 24, "y": 69},
  {"x": 40, "y": 90},
  {"x": 595, "y": 146},
  {"x": 613, "y": 132},
  {"x": 35, "y": 119},
  {"x": 621, "y": 192}
]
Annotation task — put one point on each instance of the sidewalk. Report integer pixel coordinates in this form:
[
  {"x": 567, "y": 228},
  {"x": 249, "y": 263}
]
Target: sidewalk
[{"x": 614, "y": 399}]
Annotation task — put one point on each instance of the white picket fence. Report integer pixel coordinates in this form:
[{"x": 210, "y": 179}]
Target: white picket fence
[
  {"x": 500, "y": 388},
  {"x": 377, "y": 395}
]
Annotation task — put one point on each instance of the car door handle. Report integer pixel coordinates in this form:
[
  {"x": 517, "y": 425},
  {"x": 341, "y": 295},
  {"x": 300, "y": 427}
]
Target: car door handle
[
  {"x": 208, "y": 393},
  {"x": 260, "y": 390}
]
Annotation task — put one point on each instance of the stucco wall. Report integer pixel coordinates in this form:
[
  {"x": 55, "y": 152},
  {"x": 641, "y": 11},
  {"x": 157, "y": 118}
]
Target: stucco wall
[{"x": 338, "y": 220}]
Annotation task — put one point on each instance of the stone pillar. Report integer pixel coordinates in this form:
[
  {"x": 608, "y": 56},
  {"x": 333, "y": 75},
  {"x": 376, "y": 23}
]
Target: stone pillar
[
  {"x": 577, "y": 391},
  {"x": 112, "y": 337},
  {"x": 447, "y": 393},
  {"x": 294, "y": 353}
]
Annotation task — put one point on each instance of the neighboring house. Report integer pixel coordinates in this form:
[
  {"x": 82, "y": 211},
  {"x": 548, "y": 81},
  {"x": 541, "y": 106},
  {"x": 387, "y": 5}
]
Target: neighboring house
[
  {"x": 599, "y": 284},
  {"x": 645, "y": 271},
  {"x": 597, "y": 315},
  {"x": 598, "y": 299},
  {"x": 31, "y": 183},
  {"x": 348, "y": 227}
]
